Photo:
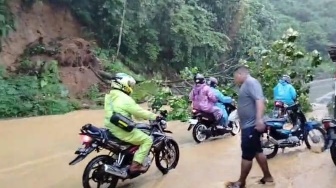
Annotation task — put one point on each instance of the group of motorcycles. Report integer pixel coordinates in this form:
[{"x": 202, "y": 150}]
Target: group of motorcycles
[
  {"x": 278, "y": 137},
  {"x": 114, "y": 166}
]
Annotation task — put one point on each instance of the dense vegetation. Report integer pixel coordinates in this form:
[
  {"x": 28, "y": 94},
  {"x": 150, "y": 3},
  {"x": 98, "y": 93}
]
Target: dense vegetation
[{"x": 158, "y": 38}]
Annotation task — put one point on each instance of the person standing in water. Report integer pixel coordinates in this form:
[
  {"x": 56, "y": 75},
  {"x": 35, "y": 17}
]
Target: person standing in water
[{"x": 251, "y": 106}]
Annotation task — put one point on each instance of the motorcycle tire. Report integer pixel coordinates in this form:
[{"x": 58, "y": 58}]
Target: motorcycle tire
[
  {"x": 195, "y": 131},
  {"x": 319, "y": 129},
  {"x": 234, "y": 131},
  {"x": 158, "y": 159},
  {"x": 333, "y": 152},
  {"x": 273, "y": 153},
  {"x": 106, "y": 159}
]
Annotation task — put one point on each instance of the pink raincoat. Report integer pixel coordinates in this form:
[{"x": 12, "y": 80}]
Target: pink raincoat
[{"x": 204, "y": 99}]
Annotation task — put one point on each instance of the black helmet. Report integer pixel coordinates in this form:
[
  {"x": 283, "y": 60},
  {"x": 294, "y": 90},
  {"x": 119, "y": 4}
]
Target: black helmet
[{"x": 199, "y": 79}]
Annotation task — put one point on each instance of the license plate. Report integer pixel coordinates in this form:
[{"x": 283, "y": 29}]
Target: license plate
[{"x": 193, "y": 121}]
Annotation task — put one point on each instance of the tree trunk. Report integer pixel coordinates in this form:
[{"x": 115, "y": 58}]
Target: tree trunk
[
  {"x": 234, "y": 29},
  {"x": 120, "y": 31}
]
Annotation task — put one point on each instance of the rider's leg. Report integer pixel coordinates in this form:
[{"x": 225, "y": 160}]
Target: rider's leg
[
  {"x": 225, "y": 117},
  {"x": 135, "y": 137},
  {"x": 218, "y": 113}
]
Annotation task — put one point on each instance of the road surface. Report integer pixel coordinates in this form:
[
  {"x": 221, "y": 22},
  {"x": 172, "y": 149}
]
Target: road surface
[
  {"x": 36, "y": 151},
  {"x": 321, "y": 90}
]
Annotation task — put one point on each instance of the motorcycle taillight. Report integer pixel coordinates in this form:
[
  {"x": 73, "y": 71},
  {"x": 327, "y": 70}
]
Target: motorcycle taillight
[
  {"x": 278, "y": 104},
  {"x": 85, "y": 139},
  {"x": 326, "y": 125}
]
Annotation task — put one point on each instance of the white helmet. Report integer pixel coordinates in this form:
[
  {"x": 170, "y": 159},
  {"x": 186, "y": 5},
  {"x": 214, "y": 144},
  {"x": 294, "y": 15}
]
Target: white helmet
[
  {"x": 123, "y": 82},
  {"x": 213, "y": 82},
  {"x": 286, "y": 78}
]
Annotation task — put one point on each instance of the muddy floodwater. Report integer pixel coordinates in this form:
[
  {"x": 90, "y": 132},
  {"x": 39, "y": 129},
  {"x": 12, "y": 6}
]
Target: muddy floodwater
[{"x": 35, "y": 153}]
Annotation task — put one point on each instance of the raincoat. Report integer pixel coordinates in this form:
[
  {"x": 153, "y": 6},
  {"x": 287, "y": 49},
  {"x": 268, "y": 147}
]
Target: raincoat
[
  {"x": 284, "y": 92},
  {"x": 118, "y": 101},
  {"x": 220, "y": 104},
  {"x": 204, "y": 99}
]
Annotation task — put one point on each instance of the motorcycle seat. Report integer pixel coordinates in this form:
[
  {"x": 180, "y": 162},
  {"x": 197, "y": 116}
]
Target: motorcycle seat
[
  {"x": 142, "y": 126},
  {"x": 280, "y": 120},
  {"x": 109, "y": 136},
  {"x": 328, "y": 120},
  {"x": 103, "y": 133}
]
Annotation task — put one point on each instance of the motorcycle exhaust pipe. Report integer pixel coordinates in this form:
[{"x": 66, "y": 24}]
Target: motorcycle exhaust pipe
[
  {"x": 273, "y": 141},
  {"x": 115, "y": 171}
]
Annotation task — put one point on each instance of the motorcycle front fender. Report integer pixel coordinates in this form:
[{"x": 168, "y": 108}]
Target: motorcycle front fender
[
  {"x": 311, "y": 125},
  {"x": 233, "y": 116}
]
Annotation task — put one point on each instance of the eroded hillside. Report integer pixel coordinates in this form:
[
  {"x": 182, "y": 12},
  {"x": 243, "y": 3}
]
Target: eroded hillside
[{"x": 51, "y": 28}]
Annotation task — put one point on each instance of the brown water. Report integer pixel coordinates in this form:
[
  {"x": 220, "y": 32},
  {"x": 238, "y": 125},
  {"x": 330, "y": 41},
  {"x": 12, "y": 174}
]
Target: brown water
[{"x": 35, "y": 153}]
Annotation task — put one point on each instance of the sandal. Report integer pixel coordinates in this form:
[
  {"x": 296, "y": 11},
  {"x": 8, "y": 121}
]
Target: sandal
[
  {"x": 264, "y": 182},
  {"x": 234, "y": 185}
]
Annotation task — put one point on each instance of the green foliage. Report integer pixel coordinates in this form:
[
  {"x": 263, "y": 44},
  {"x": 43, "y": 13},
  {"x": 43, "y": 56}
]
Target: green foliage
[
  {"x": 180, "y": 108},
  {"x": 167, "y": 35},
  {"x": 23, "y": 95},
  {"x": 93, "y": 92},
  {"x": 285, "y": 56},
  {"x": 179, "y": 105},
  {"x": 156, "y": 33},
  {"x": 39, "y": 49},
  {"x": 314, "y": 19},
  {"x": 143, "y": 91},
  {"x": 6, "y": 20}
]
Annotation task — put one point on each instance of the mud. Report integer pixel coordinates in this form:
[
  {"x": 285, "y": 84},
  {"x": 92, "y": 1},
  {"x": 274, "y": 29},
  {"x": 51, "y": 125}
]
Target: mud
[{"x": 36, "y": 152}]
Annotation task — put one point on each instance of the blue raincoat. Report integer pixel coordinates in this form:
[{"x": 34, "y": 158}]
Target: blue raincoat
[
  {"x": 284, "y": 92},
  {"x": 222, "y": 99}
]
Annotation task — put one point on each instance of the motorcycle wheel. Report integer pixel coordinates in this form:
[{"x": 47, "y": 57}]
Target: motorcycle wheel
[
  {"x": 99, "y": 175},
  {"x": 333, "y": 152},
  {"x": 169, "y": 153},
  {"x": 319, "y": 129},
  {"x": 235, "y": 128},
  {"x": 197, "y": 135},
  {"x": 275, "y": 148}
]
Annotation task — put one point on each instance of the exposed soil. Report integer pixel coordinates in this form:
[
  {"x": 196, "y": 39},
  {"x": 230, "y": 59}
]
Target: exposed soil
[{"x": 53, "y": 28}]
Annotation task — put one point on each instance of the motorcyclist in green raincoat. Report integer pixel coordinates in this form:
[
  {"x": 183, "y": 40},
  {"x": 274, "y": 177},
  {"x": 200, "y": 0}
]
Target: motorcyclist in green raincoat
[{"x": 119, "y": 101}]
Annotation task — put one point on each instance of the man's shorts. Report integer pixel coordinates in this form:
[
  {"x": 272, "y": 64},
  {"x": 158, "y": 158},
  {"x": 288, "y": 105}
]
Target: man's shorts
[{"x": 250, "y": 143}]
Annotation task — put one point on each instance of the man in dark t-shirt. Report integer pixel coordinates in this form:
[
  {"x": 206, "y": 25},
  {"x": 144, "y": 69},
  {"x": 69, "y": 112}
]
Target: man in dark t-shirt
[{"x": 250, "y": 112}]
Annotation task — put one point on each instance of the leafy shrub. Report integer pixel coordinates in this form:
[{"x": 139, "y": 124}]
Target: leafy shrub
[{"x": 23, "y": 95}]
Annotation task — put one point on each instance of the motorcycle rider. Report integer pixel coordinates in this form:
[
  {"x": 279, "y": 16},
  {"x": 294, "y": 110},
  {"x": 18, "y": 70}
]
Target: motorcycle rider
[
  {"x": 118, "y": 100},
  {"x": 204, "y": 99},
  {"x": 213, "y": 82},
  {"x": 286, "y": 93}
]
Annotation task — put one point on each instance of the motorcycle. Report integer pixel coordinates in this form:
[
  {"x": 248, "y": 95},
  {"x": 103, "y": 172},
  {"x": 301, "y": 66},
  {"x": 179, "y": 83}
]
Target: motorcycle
[
  {"x": 330, "y": 138},
  {"x": 204, "y": 124},
  {"x": 115, "y": 166},
  {"x": 278, "y": 137}
]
